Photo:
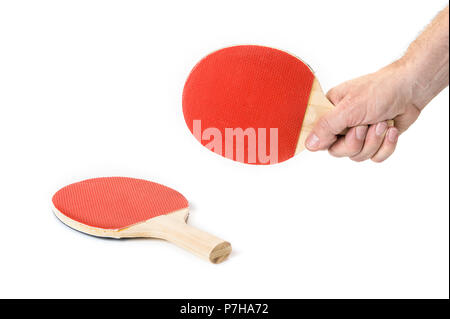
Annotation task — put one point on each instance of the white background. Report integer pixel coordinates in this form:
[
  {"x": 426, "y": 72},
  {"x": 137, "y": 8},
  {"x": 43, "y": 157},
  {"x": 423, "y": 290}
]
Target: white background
[{"x": 93, "y": 88}]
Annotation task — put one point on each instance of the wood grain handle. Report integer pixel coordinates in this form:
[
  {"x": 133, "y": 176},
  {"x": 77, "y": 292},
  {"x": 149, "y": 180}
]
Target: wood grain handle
[{"x": 200, "y": 243}]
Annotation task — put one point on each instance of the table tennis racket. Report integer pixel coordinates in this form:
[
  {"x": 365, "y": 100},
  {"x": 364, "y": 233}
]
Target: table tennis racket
[
  {"x": 122, "y": 207},
  {"x": 236, "y": 97}
]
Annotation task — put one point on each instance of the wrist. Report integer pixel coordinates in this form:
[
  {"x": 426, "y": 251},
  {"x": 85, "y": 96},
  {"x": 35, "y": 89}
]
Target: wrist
[
  {"x": 425, "y": 75},
  {"x": 414, "y": 83},
  {"x": 400, "y": 77}
]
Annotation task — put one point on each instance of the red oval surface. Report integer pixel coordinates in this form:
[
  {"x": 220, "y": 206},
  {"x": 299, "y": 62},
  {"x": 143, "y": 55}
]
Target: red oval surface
[
  {"x": 116, "y": 202},
  {"x": 253, "y": 88}
]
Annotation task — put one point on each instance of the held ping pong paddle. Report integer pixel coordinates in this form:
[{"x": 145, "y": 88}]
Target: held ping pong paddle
[
  {"x": 122, "y": 207},
  {"x": 253, "y": 104}
]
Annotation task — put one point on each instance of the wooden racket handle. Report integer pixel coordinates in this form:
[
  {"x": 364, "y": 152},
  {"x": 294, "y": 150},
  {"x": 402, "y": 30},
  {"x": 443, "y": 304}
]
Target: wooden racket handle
[{"x": 200, "y": 243}]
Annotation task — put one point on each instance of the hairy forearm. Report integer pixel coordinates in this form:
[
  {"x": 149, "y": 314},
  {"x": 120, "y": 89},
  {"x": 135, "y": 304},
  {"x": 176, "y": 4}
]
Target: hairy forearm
[
  {"x": 398, "y": 91},
  {"x": 426, "y": 61}
]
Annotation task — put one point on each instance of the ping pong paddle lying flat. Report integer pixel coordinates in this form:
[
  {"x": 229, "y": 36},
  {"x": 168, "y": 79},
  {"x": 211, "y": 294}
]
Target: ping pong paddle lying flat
[
  {"x": 121, "y": 207},
  {"x": 236, "y": 97}
]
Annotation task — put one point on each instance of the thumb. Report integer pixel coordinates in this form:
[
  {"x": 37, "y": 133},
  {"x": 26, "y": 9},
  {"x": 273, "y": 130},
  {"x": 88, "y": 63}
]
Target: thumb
[{"x": 325, "y": 132}]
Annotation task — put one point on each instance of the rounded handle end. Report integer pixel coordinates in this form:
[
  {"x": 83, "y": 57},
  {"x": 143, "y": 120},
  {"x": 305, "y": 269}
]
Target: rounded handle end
[{"x": 220, "y": 252}]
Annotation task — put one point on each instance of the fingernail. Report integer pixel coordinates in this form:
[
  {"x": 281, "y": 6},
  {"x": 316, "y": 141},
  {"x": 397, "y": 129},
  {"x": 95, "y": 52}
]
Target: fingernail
[
  {"x": 392, "y": 135},
  {"x": 313, "y": 141},
  {"x": 381, "y": 128},
  {"x": 361, "y": 132}
]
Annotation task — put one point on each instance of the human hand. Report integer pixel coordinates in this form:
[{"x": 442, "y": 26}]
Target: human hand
[{"x": 365, "y": 105}]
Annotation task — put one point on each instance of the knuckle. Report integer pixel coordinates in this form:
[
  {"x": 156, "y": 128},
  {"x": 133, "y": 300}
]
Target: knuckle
[
  {"x": 325, "y": 126},
  {"x": 331, "y": 93},
  {"x": 335, "y": 95},
  {"x": 354, "y": 111},
  {"x": 355, "y": 148}
]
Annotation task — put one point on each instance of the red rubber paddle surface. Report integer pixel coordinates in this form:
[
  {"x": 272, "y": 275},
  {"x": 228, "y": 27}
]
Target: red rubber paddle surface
[
  {"x": 249, "y": 87},
  {"x": 116, "y": 202}
]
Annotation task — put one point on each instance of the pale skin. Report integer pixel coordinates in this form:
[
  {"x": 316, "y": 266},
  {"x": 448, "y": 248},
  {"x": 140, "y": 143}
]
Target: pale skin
[{"x": 398, "y": 91}]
